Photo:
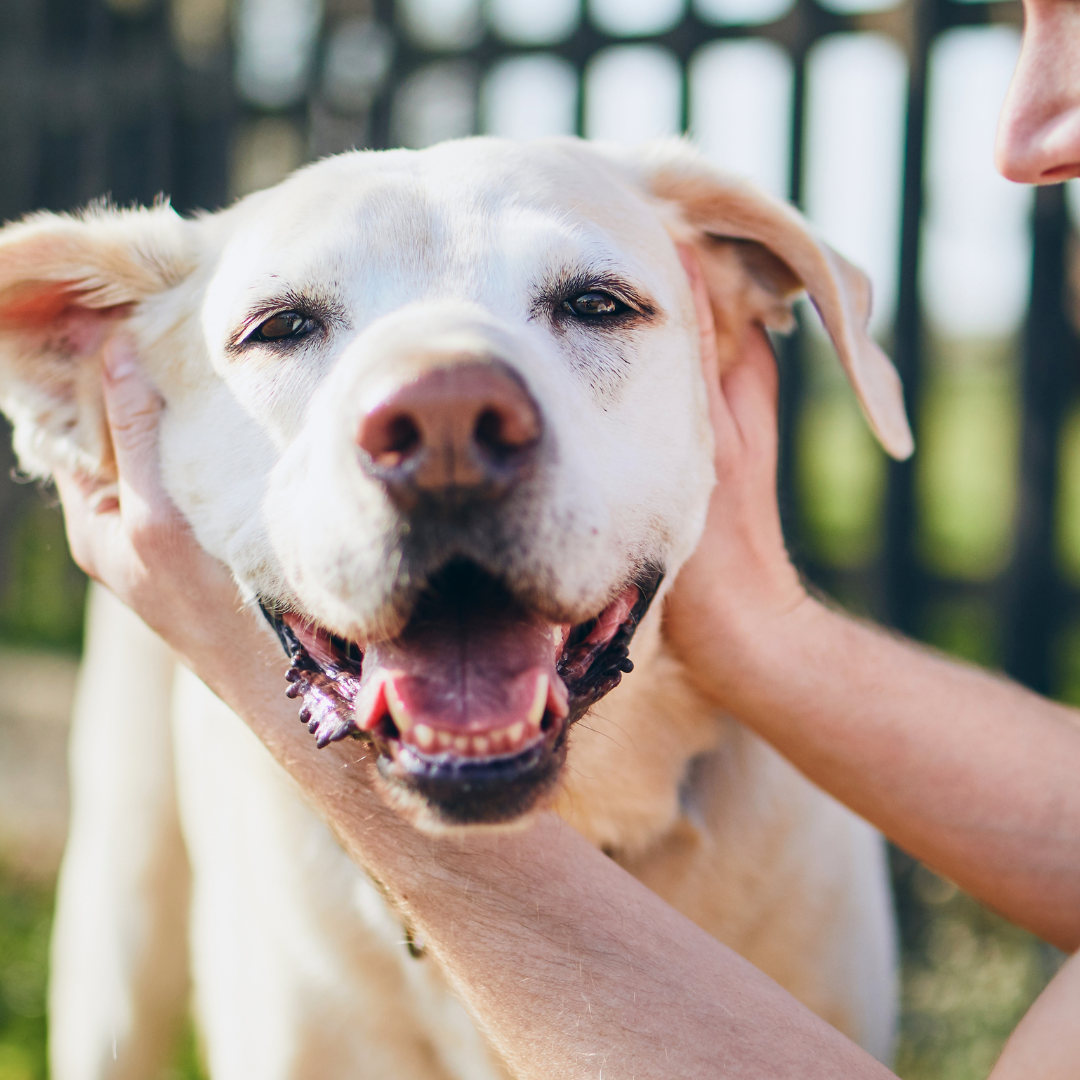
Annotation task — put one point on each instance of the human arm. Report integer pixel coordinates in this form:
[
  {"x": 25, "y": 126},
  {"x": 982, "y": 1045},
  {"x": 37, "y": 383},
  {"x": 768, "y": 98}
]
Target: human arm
[{"x": 969, "y": 772}]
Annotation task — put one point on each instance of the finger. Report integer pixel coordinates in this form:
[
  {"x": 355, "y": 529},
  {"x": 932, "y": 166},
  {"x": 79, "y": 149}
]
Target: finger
[
  {"x": 133, "y": 409},
  {"x": 702, "y": 308},
  {"x": 91, "y": 488},
  {"x": 751, "y": 390},
  {"x": 78, "y": 520},
  {"x": 723, "y": 424}
]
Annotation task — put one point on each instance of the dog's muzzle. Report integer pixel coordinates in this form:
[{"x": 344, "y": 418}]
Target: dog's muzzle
[{"x": 470, "y": 705}]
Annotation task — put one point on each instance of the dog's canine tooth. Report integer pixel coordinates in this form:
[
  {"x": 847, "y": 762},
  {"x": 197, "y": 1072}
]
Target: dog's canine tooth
[
  {"x": 539, "y": 702},
  {"x": 424, "y": 736},
  {"x": 558, "y": 700},
  {"x": 480, "y": 744},
  {"x": 397, "y": 709}
]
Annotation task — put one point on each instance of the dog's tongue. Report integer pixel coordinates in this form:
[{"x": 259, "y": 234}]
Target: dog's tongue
[{"x": 473, "y": 683}]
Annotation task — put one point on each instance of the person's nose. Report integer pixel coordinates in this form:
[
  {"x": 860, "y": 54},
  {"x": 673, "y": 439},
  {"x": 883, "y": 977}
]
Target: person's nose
[
  {"x": 460, "y": 433},
  {"x": 1038, "y": 136}
]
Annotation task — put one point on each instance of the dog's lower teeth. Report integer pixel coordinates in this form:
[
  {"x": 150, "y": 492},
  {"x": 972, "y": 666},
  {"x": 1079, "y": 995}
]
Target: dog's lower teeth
[{"x": 502, "y": 740}]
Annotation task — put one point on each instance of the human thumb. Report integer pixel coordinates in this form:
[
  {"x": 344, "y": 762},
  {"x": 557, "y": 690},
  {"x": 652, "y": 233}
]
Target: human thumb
[{"x": 133, "y": 409}]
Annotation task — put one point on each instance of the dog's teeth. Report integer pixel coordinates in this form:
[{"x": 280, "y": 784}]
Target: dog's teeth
[
  {"x": 461, "y": 742},
  {"x": 445, "y": 739},
  {"x": 558, "y": 701},
  {"x": 397, "y": 709},
  {"x": 480, "y": 744},
  {"x": 514, "y": 733},
  {"x": 539, "y": 702},
  {"x": 424, "y": 736}
]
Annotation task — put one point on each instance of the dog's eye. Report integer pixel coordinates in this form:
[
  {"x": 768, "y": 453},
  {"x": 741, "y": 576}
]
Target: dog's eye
[
  {"x": 286, "y": 325},
  {"x": 594, "y": 304}
]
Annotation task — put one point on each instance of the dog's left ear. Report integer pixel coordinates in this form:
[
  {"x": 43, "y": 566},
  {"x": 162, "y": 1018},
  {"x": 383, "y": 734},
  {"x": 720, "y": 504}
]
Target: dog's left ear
[
  {"x": 732, "y": 223},
  {"x": 66, "y": 282}
]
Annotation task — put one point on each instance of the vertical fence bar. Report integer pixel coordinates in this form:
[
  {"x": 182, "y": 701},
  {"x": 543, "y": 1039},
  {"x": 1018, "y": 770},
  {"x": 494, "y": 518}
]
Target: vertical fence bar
[
  {"x": 789, "y": 356},
  {"x": 902, "y": 580},
  {"x": 1036, "y": 605}
]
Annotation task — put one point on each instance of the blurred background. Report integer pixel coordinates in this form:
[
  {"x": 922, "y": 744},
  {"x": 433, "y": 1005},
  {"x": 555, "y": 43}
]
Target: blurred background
[{"x": 876, "y": 117}]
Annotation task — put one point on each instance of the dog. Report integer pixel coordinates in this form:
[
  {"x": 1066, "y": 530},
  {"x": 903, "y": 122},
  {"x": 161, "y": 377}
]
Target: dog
[{"x": 442, "y": 414}]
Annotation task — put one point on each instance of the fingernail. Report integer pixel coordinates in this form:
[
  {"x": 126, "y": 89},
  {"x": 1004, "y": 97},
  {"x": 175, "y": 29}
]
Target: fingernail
[{"x": 120, "y": 357}]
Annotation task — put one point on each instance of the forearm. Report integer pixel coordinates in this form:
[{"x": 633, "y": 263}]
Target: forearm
[
  {"x": 578, "y": 970},
  {"x": 969, "y": 772},
  {"x": 572, "y": 966}
]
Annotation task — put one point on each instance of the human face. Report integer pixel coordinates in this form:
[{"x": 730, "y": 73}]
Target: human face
[{"x": 1038, "y": 136}]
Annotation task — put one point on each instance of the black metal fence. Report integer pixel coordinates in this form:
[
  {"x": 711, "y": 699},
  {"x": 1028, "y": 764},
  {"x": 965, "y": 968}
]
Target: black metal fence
[{"x": 135, "y": 97}]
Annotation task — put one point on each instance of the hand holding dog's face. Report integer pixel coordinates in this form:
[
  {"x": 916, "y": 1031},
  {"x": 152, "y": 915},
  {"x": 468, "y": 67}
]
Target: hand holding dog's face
[
  {"x": 130, "y": 536},
  {"x": 441, "y": 413}
]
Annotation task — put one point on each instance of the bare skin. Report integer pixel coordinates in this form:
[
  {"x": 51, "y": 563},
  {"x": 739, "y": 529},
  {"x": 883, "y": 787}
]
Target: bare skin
[
  {"x": 575, "y": 968},
  {"x": 969, "y": 772},
  {"x": 1038, "y": 137}
]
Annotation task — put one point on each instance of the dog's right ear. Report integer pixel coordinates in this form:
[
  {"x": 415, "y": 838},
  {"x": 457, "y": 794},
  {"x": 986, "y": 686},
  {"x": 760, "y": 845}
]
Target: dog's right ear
[
  {"x": 66, "y": 281},
  {"x": 731, "y": 223}
]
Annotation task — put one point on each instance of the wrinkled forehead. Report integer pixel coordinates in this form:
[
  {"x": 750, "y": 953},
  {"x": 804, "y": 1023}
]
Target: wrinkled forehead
[{"x": 484, "y": 220}]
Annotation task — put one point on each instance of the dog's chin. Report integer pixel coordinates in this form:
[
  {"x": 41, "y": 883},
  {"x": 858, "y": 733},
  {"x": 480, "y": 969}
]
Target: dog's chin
[
  {"x": 499, "y": 794},
  {"x": 470, "y": 705}
]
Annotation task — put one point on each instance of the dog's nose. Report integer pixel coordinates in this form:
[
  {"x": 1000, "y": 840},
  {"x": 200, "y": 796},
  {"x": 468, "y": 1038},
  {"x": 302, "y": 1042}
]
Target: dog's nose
[{"x": 456, "y": 434}]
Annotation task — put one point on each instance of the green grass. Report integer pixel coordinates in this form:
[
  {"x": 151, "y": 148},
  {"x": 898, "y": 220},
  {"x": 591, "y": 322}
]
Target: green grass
[
  {"x": 967, "y": 465},
  {"x": 42, "y": 602},
  {"x": 25, "y": 923},
  {"x": 1068, "y": 499},
  {"x": 841, "y": 481},
  {"x": 840, "y": 471},
  {"x": 968, "y": 977},
  {"x": 25, "y": 920}
]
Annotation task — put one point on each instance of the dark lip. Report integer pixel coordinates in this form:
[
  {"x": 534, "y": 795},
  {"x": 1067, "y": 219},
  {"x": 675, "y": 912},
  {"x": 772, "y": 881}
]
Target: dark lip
[
  {"x": 464, "y": 790},
  {"x": 487, "y": 791}
]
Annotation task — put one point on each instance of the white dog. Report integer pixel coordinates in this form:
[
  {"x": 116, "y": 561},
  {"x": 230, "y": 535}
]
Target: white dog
[{"x": 442, "y": 414}]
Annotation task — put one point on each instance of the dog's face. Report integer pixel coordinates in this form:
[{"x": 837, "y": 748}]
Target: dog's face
[{"x": 441, "y": 413}]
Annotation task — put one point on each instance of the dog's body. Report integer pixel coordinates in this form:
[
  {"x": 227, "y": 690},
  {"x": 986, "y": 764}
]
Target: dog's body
[{"x": 288, "y": 337}]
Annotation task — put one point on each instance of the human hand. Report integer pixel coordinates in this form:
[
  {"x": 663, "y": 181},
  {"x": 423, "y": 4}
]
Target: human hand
[
  {"x": 739, "y": 580},
  {"x": 130, "y": 536}
]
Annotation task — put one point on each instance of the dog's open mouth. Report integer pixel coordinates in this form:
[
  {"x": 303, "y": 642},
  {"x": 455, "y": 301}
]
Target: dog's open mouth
[{"x": 470, "y": 705}]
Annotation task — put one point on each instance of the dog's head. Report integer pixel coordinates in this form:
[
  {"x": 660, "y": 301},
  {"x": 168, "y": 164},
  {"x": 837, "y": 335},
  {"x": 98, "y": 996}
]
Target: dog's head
[{"x": 441, "y": 412}]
